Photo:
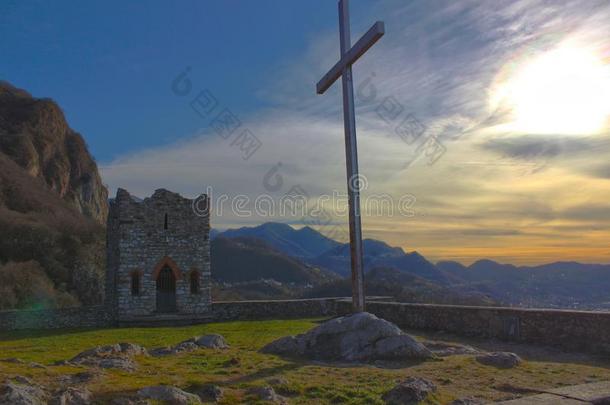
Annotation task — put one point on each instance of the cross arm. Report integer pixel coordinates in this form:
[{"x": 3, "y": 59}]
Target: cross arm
[{"x": 355, "y": 52}]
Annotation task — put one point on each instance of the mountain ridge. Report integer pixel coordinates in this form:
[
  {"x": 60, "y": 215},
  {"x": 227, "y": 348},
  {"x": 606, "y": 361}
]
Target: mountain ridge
[{"x": 303, "y": 242}]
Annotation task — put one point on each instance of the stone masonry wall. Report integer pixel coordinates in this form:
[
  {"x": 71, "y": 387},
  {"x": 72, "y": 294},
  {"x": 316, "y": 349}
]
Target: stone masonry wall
[
  {"x": 281, "y": 309},
  {"x": 139, "y": 243},
  {"x": 575, "y": 330},
  {"x": 85, "y": 317}
]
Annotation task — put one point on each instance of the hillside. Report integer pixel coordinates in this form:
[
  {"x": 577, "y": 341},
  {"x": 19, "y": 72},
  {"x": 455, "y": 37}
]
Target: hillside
[
  {"x": 51, "y": 206},
  {"x": 243, "y": 259}
]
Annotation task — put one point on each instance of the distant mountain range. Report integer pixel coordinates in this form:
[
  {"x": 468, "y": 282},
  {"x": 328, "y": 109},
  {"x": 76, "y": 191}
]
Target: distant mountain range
[
  {"x": 560, "y": 284},
  {"x": 316, "y": 249},
  {"x": 305, "y": 242}
]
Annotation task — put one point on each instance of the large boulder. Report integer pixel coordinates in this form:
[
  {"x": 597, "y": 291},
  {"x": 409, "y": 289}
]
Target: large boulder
[
  {"x": 499, "y": 359},
  {"x": 168, "y": 394},
  {"x": 409, "y": 392},
  {"x": 22, "y": 391},
  {"x": 357, "y": 337}
]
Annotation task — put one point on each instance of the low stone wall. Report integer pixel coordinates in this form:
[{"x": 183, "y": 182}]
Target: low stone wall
[
  {"x": 82, "y": 317},
  {"x": 284, "y": 309},
  {"x": 577, "y": 330}
]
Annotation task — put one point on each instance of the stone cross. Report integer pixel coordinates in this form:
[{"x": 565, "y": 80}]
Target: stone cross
[{"x": 343, "y": 68}]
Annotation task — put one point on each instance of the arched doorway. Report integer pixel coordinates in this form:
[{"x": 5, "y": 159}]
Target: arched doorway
[{"x": 166, "y": 290}]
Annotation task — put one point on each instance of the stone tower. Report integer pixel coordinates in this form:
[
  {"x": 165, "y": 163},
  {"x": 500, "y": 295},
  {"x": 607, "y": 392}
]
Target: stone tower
[{"x": 158, "y": 256}]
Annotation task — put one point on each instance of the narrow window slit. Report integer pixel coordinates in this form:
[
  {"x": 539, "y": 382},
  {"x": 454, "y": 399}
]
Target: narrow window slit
[
  {"x": 194, "y": 282},
  {"x": 135, "y": 284}
]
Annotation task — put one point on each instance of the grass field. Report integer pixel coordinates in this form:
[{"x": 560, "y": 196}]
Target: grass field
[{"x": 305, "y": 382}]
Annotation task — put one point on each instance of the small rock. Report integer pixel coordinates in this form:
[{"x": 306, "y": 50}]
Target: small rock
[
  {"x": 19, "y": 379},
  {"x": 277, "y": 381},
  {"x": 499, "y": 359},
  {"x": 443, "y": 349},
  {"x": 129, "y": 401},
  {"x": 33, "y": 364},
  {"x": 80, "y": 378},
  {"x": 22, "y": 391},
  {"x": 13, "y": 360},
  {"x": 161, "y": 351},
  {"x": 73, "y": 396},
  {"x": 132, "y": 349},
  {"x": 121, "y": 363},
  {"x": 172, "y": 395},
  {"x": 466, "y": 401},
  {"x": 182, "y": 347},
  {"x": 119, "y": 356},
  {"x": 267, "y": 394},
  {"x": 194, "y": 343},
  {"x": 62, "y": 363},
  {"x": 210, "y": 393},
  {"x": 213, "y": 341},
  {"x": 410, "y": 391},
  {"x": 98, "y": 351},
  {"x": 185, "y": 347},
  {"x": 232, "y": 362}
]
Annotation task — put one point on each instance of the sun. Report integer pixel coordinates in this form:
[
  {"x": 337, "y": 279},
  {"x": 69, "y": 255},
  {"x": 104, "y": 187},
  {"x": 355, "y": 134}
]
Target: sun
[{"x": 563, "y": 91}]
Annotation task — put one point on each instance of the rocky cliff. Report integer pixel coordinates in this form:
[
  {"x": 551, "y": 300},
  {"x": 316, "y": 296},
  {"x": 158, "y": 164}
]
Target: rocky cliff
[
  {"x": 34, "y": 134},
  {"x": 53, "y": 208}
]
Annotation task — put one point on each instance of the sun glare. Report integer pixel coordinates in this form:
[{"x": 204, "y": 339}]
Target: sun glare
[{"x": 564, "y": 91}]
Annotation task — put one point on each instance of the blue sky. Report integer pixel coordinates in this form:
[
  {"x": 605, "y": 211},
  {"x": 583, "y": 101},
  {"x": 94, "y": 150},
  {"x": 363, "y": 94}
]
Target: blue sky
[
  {"x": 109, "y": 64},
  {"x": 517, "y": 93}
]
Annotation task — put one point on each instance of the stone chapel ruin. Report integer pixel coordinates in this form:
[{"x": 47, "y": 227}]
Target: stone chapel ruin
[{"x": 158, "y": 257}]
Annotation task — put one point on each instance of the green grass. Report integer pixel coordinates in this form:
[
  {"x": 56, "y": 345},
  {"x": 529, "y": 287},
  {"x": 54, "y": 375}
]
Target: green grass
[{"x": 306, "y": 382}]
